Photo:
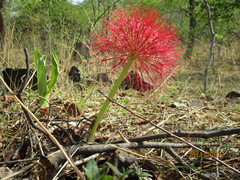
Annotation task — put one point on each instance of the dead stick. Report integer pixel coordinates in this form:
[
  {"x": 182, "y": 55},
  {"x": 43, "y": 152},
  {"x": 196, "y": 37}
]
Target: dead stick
[{"x": 198, "y": 134}]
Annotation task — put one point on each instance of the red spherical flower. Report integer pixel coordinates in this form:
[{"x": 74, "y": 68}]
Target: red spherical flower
[{"x": 140, "y": 33}]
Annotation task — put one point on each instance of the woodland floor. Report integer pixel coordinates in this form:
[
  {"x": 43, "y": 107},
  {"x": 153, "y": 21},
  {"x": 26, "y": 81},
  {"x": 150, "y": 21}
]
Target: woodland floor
[{"x": 179, "y": 107}]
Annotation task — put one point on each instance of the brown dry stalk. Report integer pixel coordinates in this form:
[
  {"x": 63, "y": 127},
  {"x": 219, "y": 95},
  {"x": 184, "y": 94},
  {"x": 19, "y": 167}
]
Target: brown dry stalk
[
  {"x": 55, "y": 141},
  {"x": 126, "y": 150},
  {"x": 173, "y": 135}
]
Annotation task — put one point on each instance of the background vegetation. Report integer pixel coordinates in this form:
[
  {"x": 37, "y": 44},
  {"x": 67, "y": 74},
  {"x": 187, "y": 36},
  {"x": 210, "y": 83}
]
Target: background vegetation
[{"x": 58, "y": 24}]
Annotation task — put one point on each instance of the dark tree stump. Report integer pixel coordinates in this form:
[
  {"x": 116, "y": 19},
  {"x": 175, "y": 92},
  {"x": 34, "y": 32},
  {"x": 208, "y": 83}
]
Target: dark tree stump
[{"x": 14, "y": 78}]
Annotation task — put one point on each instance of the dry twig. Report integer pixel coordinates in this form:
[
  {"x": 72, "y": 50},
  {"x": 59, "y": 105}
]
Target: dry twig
[{"x": 202, "y": 134}]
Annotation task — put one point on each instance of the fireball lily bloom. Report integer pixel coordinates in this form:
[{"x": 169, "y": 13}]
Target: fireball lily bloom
[{"x": 136, "y": 39}]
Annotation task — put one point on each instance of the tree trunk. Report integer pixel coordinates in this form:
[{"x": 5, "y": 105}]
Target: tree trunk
[
  {"x": 2, "y": 26},
  {"x": 192, "y": 26},
  {"x": 211, "y": 56}
]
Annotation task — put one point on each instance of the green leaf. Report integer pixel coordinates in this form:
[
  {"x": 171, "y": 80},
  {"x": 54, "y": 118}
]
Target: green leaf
[
  {"x": 40, "y": 63},
  {"x": 126, "y": 173},
  {"x": 145, "y": 175},
  {"x": 114, "y": 169},
  {"x": 92, "y": 170},
  {"x": 54, "y": 72},
  {"x": 237, "y": 107},
  {"x": 107, "y": 177},
  {"x": 45, "y": 89}
]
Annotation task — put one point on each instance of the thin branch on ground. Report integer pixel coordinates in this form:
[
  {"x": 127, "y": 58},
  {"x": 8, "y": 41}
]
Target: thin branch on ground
[
  {"x": 202, "y": 134},
  {"x": 24, "y": 169},
  {"x": 18, "y": 161},
  {"x": 57, "y": 157},
  {"x": 83, "y": 119}
]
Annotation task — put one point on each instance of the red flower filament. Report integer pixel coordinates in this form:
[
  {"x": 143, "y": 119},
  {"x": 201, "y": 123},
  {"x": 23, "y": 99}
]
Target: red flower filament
[{"x": 141, "y": 33}]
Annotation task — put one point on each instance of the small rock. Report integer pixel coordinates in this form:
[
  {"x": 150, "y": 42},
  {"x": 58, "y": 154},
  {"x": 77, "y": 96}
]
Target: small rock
[
  {"x": 125, "y": 159},
  {"x": 75, "y": 74},
  {"x": 179, "y": 105},
  {"x": 233, "y": 95}
]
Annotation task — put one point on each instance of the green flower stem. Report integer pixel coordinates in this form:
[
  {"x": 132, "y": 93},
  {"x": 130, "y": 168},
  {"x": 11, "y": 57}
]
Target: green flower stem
[{"x": 111, "y": 95}]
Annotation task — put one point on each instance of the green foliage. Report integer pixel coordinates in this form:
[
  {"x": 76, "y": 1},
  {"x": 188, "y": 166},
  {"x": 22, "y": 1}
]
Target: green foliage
[
  {"x": 44, "y": 24},
  {"x": 53, "y": 22},
  {"x": 237, "y": 107},
  {"x": 224, "y": 14},
  {"x": 141, "y": 174},
  {"x": 121, "y": 176},
  {"x": 95, "y": 10},
  {"x": 94, "y": 173},
  {"x": 45, "y": 88},
  {"x": 92, "y": 170}
]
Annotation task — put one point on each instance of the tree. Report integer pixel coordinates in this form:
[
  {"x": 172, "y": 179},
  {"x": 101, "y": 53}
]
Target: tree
[
  {"x": 46, "y": 23},
  {"x": 211, "y": 56},
  {"x": 2, "y": 25},
  {"x": 192, "y": 26}
]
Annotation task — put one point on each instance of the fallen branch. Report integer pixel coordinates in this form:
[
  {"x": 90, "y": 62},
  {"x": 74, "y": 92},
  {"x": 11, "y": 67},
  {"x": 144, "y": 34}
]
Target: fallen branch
[
  {"x": 19, "y": 161},
  {"x": 57, "y": 157},
  {"x": 203, "y": 134}
]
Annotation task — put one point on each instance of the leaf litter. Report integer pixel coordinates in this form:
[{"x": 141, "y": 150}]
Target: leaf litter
[{"x": 69, "y": 121}]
